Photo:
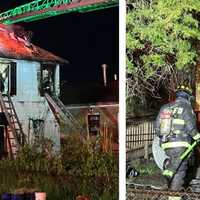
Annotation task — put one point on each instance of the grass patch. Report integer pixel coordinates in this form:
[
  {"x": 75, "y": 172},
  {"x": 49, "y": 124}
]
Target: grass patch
[
  {"x": 145, "y": 167},
  {"x": 148, "y": 169}
]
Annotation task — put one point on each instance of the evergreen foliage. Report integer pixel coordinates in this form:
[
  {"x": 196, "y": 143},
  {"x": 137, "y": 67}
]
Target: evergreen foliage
[{"x": 162, "y": 39}]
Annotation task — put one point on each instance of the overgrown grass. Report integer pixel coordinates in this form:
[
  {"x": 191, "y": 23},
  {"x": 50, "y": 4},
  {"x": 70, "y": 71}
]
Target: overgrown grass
[
  {"x": 148, "y": 169},
  {"x": 79, "y": 169},
  {"x": 145, "y": 167}
]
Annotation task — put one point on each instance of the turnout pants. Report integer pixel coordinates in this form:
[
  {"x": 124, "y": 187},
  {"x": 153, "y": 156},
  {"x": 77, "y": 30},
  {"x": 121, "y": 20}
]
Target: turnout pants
[{"x": 177, "y": 167}]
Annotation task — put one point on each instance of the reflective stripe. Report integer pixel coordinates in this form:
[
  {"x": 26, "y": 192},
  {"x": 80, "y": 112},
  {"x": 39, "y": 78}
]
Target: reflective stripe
[
  {"x": 177, "y": 131},
  {"x": 174, "y": 198},
  {"x": 175, "y": 144},
  {"x": 197, "y": 136},
  {"x": 168, "y": 173},
  {"x": 188, "y": 151},
  {"x": 178, "y": 121}
]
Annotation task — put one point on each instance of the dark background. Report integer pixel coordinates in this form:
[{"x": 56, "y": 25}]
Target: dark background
[{"x": 86, "y": 40}]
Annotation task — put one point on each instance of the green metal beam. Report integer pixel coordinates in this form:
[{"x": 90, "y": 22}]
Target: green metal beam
[{"x": 40, "y": 9}]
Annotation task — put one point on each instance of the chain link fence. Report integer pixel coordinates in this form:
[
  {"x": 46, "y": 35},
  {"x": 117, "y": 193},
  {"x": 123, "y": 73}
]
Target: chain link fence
[{"x": 141, "y": 193}]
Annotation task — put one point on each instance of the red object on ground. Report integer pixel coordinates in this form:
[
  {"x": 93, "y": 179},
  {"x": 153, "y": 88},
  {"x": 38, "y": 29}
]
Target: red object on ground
[{"x": 82, "y": 198}]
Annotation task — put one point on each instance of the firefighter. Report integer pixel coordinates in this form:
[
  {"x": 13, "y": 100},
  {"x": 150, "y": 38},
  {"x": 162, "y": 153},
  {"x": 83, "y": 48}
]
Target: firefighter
[
  {"x": 176, "y": 128},
  {"x": 47, "y": 81}
]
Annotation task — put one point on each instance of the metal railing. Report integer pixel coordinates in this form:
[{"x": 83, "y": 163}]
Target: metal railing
[
  {"x": 60, "y": 110},
  {"x": 32, "y": 6},
  {"x": 39, "y": 9}
]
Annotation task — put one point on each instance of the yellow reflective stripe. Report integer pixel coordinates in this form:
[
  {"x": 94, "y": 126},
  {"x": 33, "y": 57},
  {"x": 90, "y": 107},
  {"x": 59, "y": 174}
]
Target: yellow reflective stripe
[
  {"x": 174, "y": 198},
  {"x": 197, "y": 136},
  {"x": 178, "y": 121},
  {"x": 175, "y": 144},
  {"x": 168, "y": 173},
  {"x": 177, "y": 131}
]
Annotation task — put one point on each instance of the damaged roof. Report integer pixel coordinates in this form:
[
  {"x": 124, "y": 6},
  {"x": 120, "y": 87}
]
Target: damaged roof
[{"x": 17, "y": 46}]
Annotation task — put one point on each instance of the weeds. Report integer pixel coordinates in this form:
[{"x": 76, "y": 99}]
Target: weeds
[
  {"x": 79, "y": 169},
  {"x": 149, "y": 169}
]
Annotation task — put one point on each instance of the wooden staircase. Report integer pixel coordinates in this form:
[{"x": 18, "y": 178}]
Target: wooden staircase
[
  {"x": 14, "y": 136},
  {"x": 60, "y": 111}
]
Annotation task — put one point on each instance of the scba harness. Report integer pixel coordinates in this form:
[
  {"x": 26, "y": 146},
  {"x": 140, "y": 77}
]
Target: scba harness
[
  {"x": 173, "y": 134},
  {"x": 170, "y": 121}
]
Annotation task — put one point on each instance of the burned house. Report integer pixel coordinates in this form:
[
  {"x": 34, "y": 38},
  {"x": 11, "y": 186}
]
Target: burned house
[{"x": 27, "y": 72}]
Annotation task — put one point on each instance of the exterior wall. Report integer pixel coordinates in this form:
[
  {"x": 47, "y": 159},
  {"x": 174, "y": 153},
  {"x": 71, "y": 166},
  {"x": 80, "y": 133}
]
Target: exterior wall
[
  {"x": 108, "y": 118},
  {"x": 38, "y": 110},
  {"x": 30, "y": 105},
  {"x": 27, "y": 80}
]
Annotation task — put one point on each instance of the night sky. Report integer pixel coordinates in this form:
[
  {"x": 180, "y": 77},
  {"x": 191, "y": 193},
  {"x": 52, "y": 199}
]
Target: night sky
[{"x": 86, "y": 40}]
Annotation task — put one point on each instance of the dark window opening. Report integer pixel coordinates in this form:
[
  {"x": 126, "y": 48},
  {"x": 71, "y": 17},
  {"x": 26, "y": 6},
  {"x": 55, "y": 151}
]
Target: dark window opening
[
  {"x": 13, "y": 79},
  {"x": 94, "y": 124},
  {"x": 47, "y": 83}
]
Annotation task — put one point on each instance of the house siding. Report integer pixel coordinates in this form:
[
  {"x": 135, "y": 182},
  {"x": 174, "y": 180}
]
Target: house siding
[{"x": 30, "y": 105}]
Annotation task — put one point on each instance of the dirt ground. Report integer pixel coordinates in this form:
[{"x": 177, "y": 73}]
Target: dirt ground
[
  {"x": 155, "y": 181},
  {"x": 150, "y": 176}
]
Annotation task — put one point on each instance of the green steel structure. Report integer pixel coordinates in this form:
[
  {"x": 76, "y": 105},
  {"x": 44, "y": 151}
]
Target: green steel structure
[{"x": 40, "y": 9}]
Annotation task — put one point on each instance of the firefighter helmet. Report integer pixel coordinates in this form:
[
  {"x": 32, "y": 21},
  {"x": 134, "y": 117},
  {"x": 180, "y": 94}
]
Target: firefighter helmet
[
  {"x": 185, "y": 92},
  {"x": 184, "y": 88}
]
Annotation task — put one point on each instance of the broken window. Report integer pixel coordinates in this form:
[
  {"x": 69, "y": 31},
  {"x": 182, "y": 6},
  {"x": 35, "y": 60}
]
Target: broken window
[
  {"x": 8, "y": 78},
  {"x": 47, "y": 83},
  {"x": 94, "y": 123},
  {"x": 36, "y": 127}
]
